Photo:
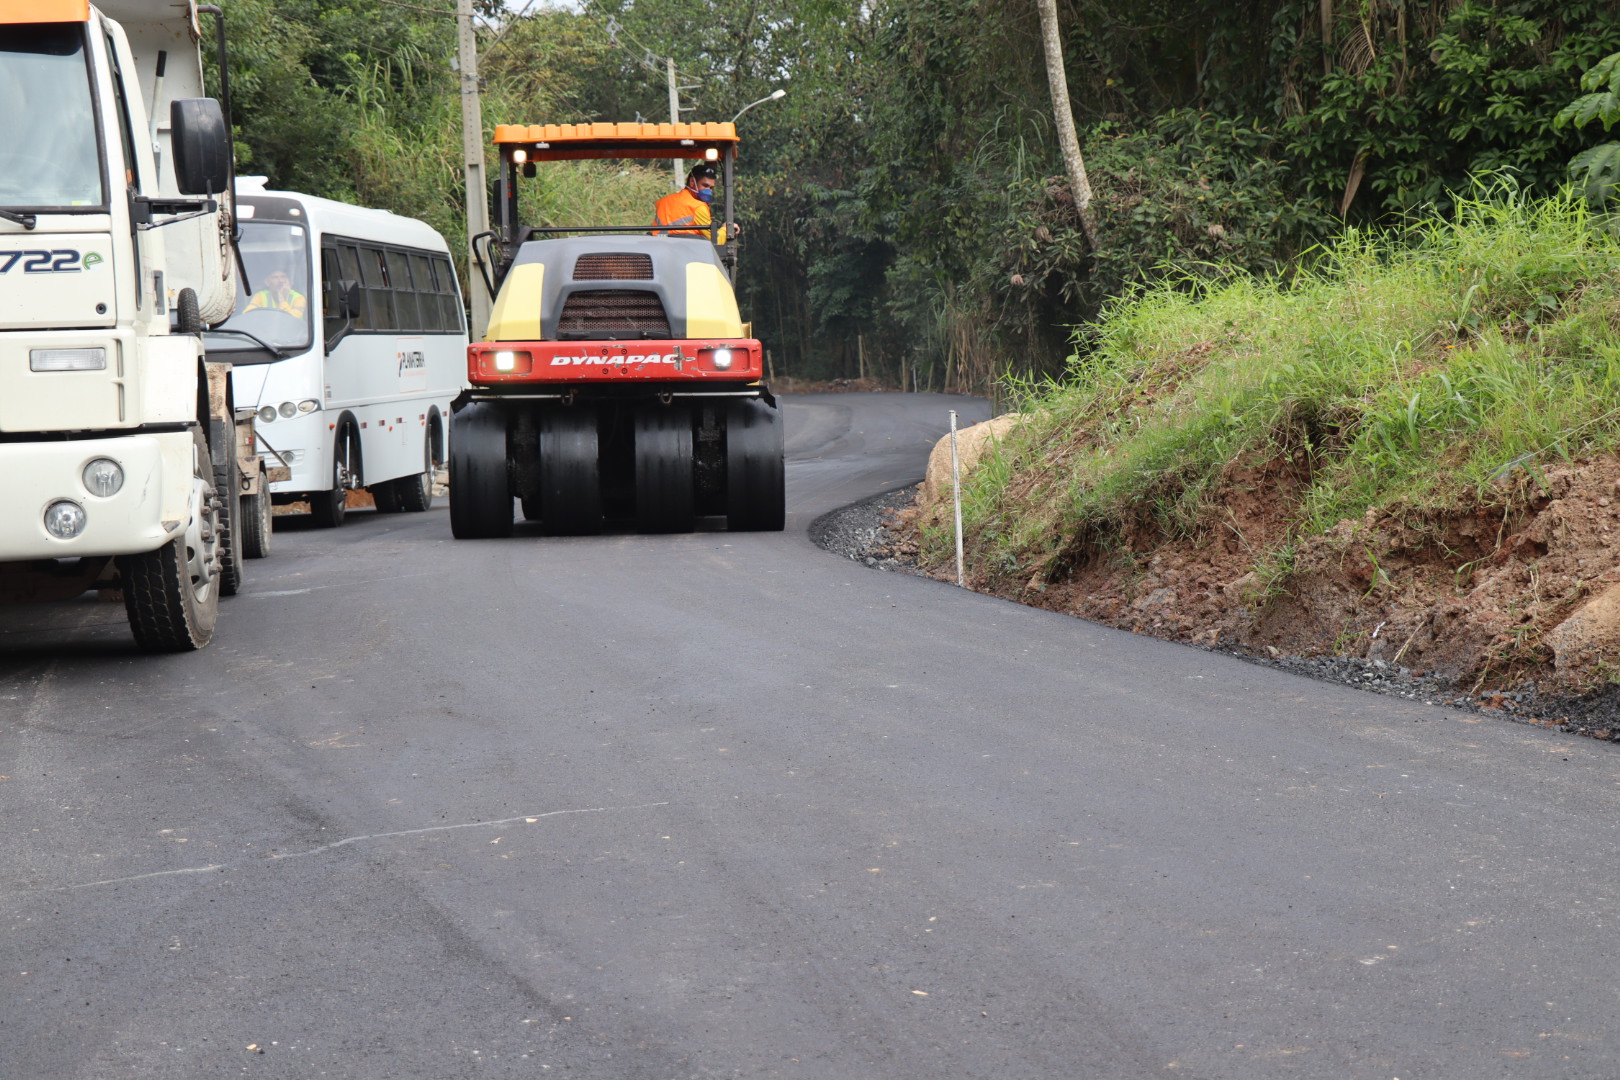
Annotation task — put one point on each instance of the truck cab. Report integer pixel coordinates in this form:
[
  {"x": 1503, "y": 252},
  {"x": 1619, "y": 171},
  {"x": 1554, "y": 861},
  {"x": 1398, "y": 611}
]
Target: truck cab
[{"x": 116, "y": 435}]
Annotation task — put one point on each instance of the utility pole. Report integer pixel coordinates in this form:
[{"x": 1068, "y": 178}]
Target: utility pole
[
  {"x": 472, "y": 149},
  {"x": 675, "y": 116}
]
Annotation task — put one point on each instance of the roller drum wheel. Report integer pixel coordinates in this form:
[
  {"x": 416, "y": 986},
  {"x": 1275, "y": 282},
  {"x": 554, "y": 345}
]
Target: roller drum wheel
[
  {"x": 570, "y": 472},
  {"x": 665, "y": 492},
  {"x": 480, "y": 495},
  {"x": 755, "y": 501}
]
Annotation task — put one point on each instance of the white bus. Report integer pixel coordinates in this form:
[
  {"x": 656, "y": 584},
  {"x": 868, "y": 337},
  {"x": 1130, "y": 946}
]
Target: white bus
[{"x": 350, "y": 342}]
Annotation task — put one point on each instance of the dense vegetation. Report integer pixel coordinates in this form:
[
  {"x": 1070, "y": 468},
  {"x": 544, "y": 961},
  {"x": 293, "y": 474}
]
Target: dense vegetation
[
  {"x": 1408, "y": 370},
  {"x": 904, "y": 200}
]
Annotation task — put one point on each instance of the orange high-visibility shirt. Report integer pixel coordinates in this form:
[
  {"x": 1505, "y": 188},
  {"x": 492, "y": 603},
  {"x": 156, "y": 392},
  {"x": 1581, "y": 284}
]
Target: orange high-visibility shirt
[{"x": 683, "y": 208}]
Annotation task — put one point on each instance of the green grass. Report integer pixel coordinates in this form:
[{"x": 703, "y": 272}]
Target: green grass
[{"x": 1407, "y": 369}]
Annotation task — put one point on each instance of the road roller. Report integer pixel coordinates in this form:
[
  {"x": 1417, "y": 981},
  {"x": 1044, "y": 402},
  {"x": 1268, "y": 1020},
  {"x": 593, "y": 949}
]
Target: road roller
[{"x": 617, "y": 385}]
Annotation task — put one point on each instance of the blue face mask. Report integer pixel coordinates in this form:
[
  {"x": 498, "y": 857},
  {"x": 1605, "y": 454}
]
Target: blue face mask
[{"x": 706, "y": 194}]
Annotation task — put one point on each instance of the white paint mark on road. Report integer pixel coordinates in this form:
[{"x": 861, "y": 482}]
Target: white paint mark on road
[
  {"x": 465, "y": 825},
  {"x": 524, "y": 819},
  {"x": 141, "y": 877}
]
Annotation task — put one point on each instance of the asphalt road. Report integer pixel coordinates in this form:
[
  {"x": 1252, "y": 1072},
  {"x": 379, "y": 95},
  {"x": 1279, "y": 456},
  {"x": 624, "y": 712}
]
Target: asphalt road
[{"x": 648, "y": 808}]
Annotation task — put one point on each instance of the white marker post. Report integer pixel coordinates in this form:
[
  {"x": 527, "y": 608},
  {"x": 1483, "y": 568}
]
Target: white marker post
[{"x": 956, "y": 497}]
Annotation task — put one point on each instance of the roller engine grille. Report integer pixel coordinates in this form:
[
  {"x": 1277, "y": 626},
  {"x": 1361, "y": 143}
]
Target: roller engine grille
[
  {"x": 614, "y": 266},
  {"x": 612, "y": 313}
]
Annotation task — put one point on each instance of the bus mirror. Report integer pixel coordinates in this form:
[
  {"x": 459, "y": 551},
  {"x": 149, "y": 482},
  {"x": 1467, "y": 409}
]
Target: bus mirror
[
  {"x": 343, "y": 299},
  {"x": 202, "y": 146}
]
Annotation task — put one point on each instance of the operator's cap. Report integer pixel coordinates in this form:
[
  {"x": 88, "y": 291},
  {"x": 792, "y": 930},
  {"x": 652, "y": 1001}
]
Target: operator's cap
[{"x": 702, "y": 169}]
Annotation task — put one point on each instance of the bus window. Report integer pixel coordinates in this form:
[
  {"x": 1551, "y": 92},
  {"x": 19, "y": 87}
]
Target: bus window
[
  {"x": 379, "y": 296},
  {"x": 276, "y": 310},
  {"x": 449, "y": 298},
  {"x": 426, "y": 299},
  {"x": 331, "y": 273},
  {"x": 349, "y": 263},
  {"x": 399, "y": 273}
]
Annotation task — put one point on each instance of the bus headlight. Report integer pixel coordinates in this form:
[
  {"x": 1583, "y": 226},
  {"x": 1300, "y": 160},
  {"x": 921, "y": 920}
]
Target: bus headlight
[
  {"x": 267, "y": 414},
  {"x": 288, "y": 408},
  {"x": 64, "y": 519},
  {"x": 103, "y": 477},
  {"x": 308, "y": 405}
]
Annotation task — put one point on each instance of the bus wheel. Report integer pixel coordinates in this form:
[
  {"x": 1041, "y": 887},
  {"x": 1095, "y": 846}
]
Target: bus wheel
[
  {"x": 386, "y": 498},
  {"x": 255, "y": 519},
  {"x": 171, "y": 595},
  {"x": 414, "y": 494},
  {"x": 330, "y": 507},
  {"x": 480, "y": 493}
]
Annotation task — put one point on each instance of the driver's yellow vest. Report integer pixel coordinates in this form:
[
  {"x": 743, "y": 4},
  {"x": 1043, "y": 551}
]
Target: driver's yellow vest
[{"x": 294, "y": 304}]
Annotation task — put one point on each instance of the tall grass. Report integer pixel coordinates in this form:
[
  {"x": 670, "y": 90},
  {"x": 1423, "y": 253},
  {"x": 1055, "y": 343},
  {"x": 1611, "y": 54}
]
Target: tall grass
[{"x": 1410, "y": 367}]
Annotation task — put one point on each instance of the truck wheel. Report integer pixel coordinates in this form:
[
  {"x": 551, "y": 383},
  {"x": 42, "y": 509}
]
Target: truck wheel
[
  {"x": 329, "y": 508},
  {"x": 754, "y": 482},
  {"x": 570, "y": 472},
  {"x": 255, "y": 517},
  {"x": 665, "y": 495},
  {"x": 227, "y": 482},
  {"x": 480, "y": 494},
  {"x": 172, "y": 594},
  {"x": 414, "y": 494}
]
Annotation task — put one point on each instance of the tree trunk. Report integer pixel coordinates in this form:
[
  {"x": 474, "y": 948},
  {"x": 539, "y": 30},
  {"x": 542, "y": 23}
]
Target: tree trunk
[{"x": 1064, "y": 115}]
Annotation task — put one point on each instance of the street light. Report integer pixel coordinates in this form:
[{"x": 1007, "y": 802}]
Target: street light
[{"x": 772, "y": 96}]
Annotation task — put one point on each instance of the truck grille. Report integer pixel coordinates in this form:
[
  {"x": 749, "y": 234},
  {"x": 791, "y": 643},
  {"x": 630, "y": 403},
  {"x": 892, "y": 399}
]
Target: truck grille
[
  {"x": 612, "y": 313},
  {"x": 613, "y": 266}
]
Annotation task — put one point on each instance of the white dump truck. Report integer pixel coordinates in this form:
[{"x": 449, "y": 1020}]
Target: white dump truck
[{"x": 119, "y": 446}]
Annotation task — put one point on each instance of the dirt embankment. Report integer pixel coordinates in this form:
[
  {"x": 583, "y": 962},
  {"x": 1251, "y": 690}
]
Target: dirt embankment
[{"x": 1514, "y": 606}]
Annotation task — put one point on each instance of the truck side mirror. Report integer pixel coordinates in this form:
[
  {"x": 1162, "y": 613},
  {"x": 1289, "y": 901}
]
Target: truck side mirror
[{"x": 202, "y": 146}]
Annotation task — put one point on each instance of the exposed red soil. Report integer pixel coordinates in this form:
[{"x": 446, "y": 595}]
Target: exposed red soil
[{"x": 1473, "y": 598}]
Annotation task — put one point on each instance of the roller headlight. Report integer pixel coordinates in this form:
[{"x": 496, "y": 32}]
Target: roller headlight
[
  {"x": 103, "y": 477},
  {"x": 267, "y": 414},
  {"x": 512, "y": 361},
  {"x": 722, "y": 359},
  {"x": 64, "y": 519}
]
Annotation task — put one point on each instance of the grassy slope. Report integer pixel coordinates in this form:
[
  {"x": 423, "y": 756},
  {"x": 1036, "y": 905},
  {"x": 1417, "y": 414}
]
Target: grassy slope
[{"x": 1438, "y": 375}]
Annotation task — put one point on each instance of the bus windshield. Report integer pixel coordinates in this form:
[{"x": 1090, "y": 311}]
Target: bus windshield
[
  {"x": 276, "y": 310},
  {"x": 48, "y": 148}
]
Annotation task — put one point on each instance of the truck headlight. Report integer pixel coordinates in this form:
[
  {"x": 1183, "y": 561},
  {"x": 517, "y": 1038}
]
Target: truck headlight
[
  {"x": 64, "y": 519},
  {"x": 67, "y": 359},
  {"x": 103, "y": 477}
]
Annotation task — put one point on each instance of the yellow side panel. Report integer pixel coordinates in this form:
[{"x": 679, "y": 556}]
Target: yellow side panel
[
  {"x": 42, "y": 11},
  {"x": 516, "y": 315},
  {"x": 711, "y": 306}
]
